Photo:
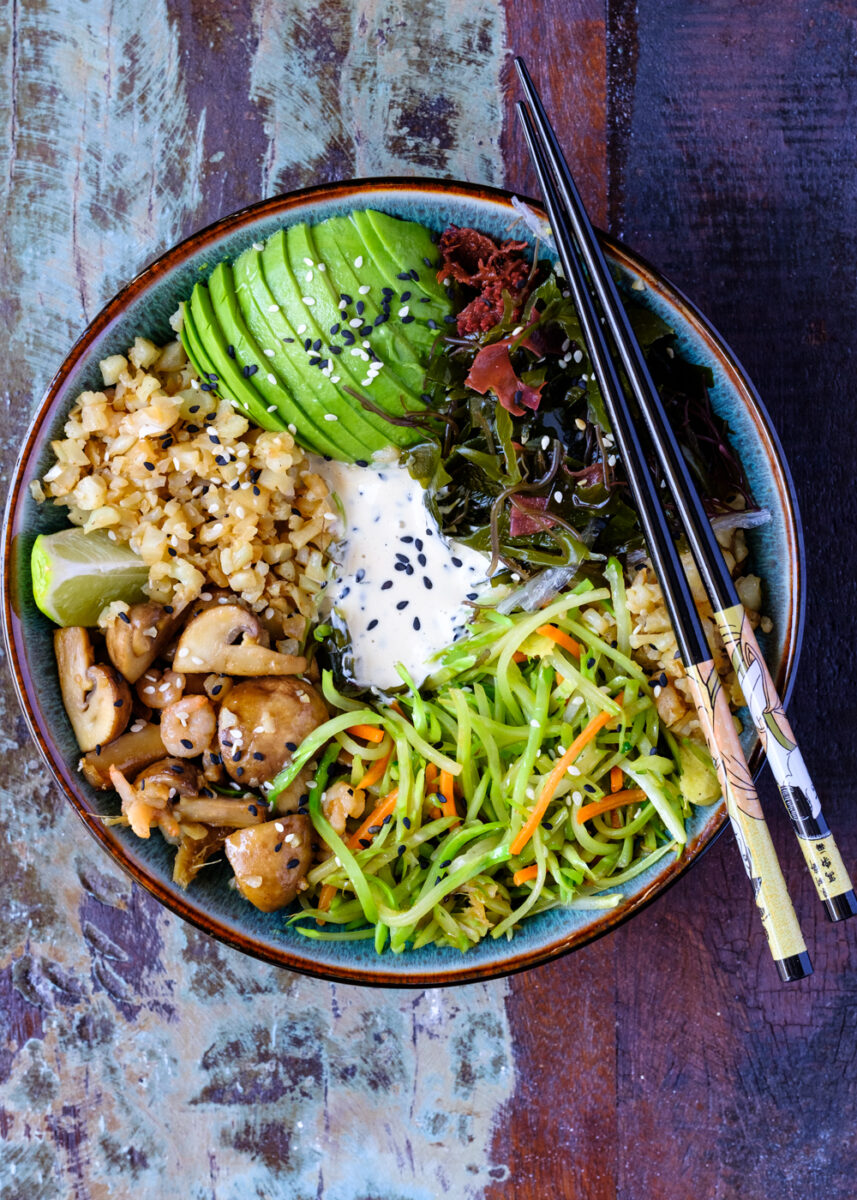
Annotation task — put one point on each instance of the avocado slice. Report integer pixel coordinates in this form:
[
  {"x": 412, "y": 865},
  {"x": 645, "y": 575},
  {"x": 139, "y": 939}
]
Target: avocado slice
[
  {"x": 216, "y": 337},
  {"x": 208, "y": 355},
  {"x": 403, "y": 369},
  {"x": 271, "y": 330},
  {"x": 368, "y": 431},
  {"x": 398, "y": 248}
]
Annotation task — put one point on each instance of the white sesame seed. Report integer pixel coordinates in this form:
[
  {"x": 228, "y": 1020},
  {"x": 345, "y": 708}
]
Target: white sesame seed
[
  {"x": 271, "y": 378},
  {"x": 578, "y": 356},
  {"x": 149, "y": 691},
  {"x": 580, "y": 423},
  {"x": 271, "y": 408},
  {"x": 611, "y": 460},
  {"x": 558, "y": 497},
  {"x": 343, "y": 304},
  {"x": 269, "y": 353},
  {"x": 358, "y": 262},
  {"x": 534, "y": 724},
  {"x": 308, "y": 277},
  {"x": 656, "y": 691},
  {"x": 280, "y": 828},
  {"x": 518, "y": 329},
  {"x": 356, "y": 322},
  {"x": 308, "y": 262},
  {"x": 330, "y": 417},
  {"x": 335, "y": 378},
  {"x": 572, "y": 770},
  {"x": 320, "y": 267},
  {"x": 273, "y": 308},
  {"x": 301, "y": 329},
  {"x": 545, "y": 442},
  {"x": 364, "y": 290},
  {"x": 292, "y": 428},
  {"x": 577, "y": 797},
  {"x": 365, "y": 345},
  {"x": 403, "y": 311},
  {"x": 197, "y": 662},
  {"x": 194, "y": 383},
  {"x": 365, "y": 382},
  {"x": 308, "y": 301},
  {"x": 258, "y": 246}
]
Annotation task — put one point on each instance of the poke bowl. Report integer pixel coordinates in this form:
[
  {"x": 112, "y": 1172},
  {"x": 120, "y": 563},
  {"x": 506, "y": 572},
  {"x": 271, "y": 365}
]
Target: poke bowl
[{"x": 145, "y": 308}]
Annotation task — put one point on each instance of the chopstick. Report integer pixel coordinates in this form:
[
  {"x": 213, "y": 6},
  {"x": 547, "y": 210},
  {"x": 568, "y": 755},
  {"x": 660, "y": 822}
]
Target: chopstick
[
  {"x": 746, "y": 816},
  {"x": 825, "y": 864}
]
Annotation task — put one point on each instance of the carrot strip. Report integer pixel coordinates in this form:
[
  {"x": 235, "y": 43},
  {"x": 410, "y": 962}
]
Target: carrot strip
[
  {"x": 616, "y": 779},
  {"x": 369, "y": 733},
  {"x": 446, "y": 790},
  {"x": 553, "y": 780},
  {"x": 376, "y": 817},
  {"x": 562, "y": 639},
  {"x": 628, "y": 796},
  {"x": 526, "y": 873},
  {"x": 376, "y": 771},
  {"x": 519, "y": 657},
  {"x": 431, "y": 777}
]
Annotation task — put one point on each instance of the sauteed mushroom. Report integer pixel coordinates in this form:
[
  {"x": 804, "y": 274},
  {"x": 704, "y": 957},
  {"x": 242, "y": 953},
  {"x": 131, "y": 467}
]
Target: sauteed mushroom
[
  {"x": 136, "y": 637},
  {"x": 225, "y": 639},
  {"x": 128, "y": 753},
  {"x": 270, "y": 860},
  {"x": 262, "y": 722},
  {"x": 96, "y": 698}
]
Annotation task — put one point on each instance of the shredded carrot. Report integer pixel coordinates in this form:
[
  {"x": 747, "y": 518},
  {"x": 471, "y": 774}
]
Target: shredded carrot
[
  {"x": 369, "y": 733},
  {"x": 562, "y": 639},
  {"x": 553, "y": 780},
  {"x": 435, "y": 813},
  {"x": 397, "y": 708},
  {"x": 526, "y": 873},
  {"x": 446, "y": 790},
  {"x": 559, "y": 679},
  {"x": 376, "y": 817},
  {"x": 431, "y": 777},
  {"x": 616, "y": 779},
  {"x": 519, "y": 657},
  {"x": 628, "y": 796},
  {"x": 376, "y": 771}
]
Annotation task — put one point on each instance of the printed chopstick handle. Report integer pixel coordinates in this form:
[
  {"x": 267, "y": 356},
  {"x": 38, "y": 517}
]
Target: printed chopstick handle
[
  {"x": 748, "y": 823},
  {"x": 825, "y": 864}
]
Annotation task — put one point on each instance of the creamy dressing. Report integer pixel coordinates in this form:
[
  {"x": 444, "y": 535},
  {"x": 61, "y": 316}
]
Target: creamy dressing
[{"x": 399, "y": 586}]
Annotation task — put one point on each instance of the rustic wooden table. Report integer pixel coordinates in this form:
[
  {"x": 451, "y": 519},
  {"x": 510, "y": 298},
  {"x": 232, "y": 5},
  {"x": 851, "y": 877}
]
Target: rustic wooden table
[{"x": 138, "y": 1057}]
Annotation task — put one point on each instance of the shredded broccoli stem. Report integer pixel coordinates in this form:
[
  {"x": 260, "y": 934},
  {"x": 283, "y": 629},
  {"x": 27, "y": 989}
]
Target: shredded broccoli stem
[{"x": 485, "y": 737}]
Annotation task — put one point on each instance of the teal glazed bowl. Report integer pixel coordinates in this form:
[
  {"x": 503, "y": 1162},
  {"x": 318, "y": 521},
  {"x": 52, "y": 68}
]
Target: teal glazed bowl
[{"x": 144, "y": 308}]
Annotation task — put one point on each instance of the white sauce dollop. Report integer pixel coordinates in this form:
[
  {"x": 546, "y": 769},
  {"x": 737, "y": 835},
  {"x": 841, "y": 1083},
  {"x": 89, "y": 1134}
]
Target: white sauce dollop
[{"x": 399, "y": 586}]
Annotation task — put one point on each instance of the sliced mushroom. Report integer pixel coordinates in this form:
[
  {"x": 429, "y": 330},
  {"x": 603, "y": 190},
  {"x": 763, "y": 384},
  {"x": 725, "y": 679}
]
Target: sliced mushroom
[
  {"x": 225, "y": 639},
  {"x": 270, "y": 860},
  {"x": 164, "y": 780},
  {"x": 188, "y": 727},
  {"x": 129, "y": 753},
  {"x": 262, "y": 722},
  {"x": 96, "y": 698},
  {"x": 136, "y": 637},
  {"x": 219, "y": 810}
]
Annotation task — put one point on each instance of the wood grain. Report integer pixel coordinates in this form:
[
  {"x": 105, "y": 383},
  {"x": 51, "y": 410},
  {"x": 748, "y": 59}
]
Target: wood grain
[{"x": 139, "y": 1057}]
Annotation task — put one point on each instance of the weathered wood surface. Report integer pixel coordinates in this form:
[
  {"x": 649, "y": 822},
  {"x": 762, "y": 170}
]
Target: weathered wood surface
[{"x": 139, "y": 1057}]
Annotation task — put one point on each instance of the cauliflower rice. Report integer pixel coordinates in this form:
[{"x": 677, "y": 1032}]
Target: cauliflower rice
[{"x": 202, "y": 496}]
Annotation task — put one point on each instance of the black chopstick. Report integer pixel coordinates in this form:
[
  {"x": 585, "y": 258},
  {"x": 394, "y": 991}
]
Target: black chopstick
[
  {"x": 757, "y": 851},
  {"x": 792, "y": 777}
]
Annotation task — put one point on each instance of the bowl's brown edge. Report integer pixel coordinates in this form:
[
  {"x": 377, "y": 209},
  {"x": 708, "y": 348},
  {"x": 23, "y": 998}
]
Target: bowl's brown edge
[{"x": 414, "y": 979}]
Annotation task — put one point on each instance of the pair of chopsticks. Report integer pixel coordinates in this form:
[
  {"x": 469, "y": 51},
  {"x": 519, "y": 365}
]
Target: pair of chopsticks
[{"x": 590, "y": 280}]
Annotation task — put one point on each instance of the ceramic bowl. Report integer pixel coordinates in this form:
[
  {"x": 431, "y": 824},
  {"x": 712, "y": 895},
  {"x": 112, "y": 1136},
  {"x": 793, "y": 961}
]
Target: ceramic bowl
[{"x": 144, "y": 307}]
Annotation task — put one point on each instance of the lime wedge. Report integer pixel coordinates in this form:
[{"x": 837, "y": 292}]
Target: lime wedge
[{"x": 75, "y": 574}]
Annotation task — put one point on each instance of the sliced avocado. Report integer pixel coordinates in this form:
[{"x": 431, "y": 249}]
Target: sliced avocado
[
  {"x": 401, "y": 379},
  {"x": 268, "y": 324},
  {"x": 190, "y": 340},
  {"x": 368, "y": 431},
  {"x": 207, "y": 327},
  {"x": 211, "y": 365},
  {"x": 400, "y": 247}
]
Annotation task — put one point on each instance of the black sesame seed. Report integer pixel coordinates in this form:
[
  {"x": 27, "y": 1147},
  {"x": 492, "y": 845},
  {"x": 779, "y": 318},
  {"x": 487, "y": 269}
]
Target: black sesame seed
[
  {"x": 407, "y": 320},
  {"x": 290, "y": 340},
  {"x": 253, "y": 810},
  {"x": 587, "y": 787},
  {"x": 307, "y": 343},
  {"x": 546, "y": 825},
  {"x": 417, "y": 624},
  {"x": 427, "y": 582},
  {"x": 387, "y": 819},
  {"x": 291, "y": 746},
  {"x": 365, "y": 843},
  {"x": 149, "y": 466},
  {"x": 400, "y": 566},
  {"x": 171, "y": 550},
  {"x": 450, "y": 319},
  {"x": 432, "y": 323},
  {"x": 317, "y": 344},
  {"x": 230, "y": 350},
  {"x": 221, "y": 460},
  {"x": 348, "y": 337},
  {"x": 386, "y": 585},
  {"x": 256, "y": 491},
  {"x": 590, "y": 662},
  {"x": 250, "y": 370},
  {"x": 205, "y": 387},
  {"x": 387, "y": 291},
  {"x": 192, "y": 428},
  {"x": 421, "y": 559},
  {"x": 446, "y": 862},
  {"x": 519, "y": 395},
  {"x": 472, "y": 595},
  {"x": 193, "y": 408},
  {"x": 381, "y": 318},
  {"x": 344, "y": 296},
  {"x": 236, "y": 756},
  {"x": 278, "y": 847},
  {"x": 334, "y": 329},
  {"x": 217, "y": 689},
  {"x": 216, "y": 759},
  {"x": 118, "y": 703},
  {"x": 124, "y": 617},
  {"x": 406, "y": 295},
  {"x": 374, "y": 829},
  {"x": 359, "y": 307},
  {"x": 360, "y": 575},
  {"x": 335, "y": 349},
  {"x": 176, "y": 769},
  {"x": 414, "y": 274},
  {"x": 239, "y": 771},
  {"x": 168, "y": 608},
  {"x": 402, "y": 605},
  {"x": 259, "y": 757},
  {"x": 187, "y": 743},
  {"x": 255, "y": 472},
  {"x": 212, "y": 437},
  {"x": 400, "y": 851},
  {"x": 365, "y": 331},
  {"x": 292, "y": 863},
  {"x": 372, "y": 623},
  {"x": 427, "y": 261},
  {"x": 404, "y": 275}
]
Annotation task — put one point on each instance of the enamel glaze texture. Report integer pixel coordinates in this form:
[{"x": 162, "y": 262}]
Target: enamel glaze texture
[{"x": 134, "y": 1049}]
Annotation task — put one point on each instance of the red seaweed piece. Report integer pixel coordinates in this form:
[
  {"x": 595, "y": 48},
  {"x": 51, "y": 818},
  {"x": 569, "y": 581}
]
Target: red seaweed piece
[
  {"x": 492, "y": 368},
  {"x": 526, "y": 516}
]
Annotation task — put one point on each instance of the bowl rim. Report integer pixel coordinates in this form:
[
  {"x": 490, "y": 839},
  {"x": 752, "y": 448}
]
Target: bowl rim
[{"x": 179, "y": 904}]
